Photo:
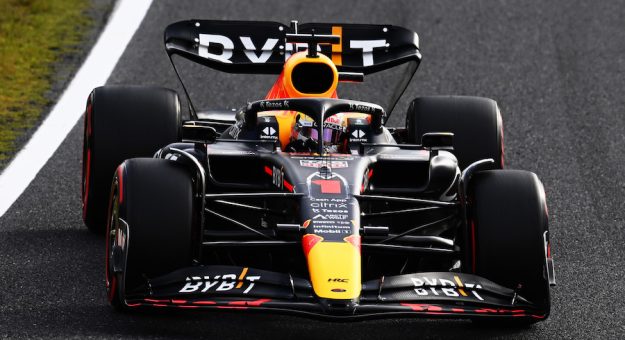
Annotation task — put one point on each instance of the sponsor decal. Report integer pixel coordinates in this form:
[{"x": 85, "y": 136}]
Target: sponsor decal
[
  {"x": 412, "y": 155},
  {"x": 274, "y": 105},
  {"x": 221, "y": 48},
  {"x": 269, "y": 131},
  {"x": 329, "y": 206},
  {"x": 220, "y": 283},
  {"x": 331, "y": 224},
  {"x": 337, "y": 156},
  {"x": 365, "y": 180},
  {"x": 358, "y": 136},
  {"x": 333, "y": 126},
  {"x": 428, "y": 286},
  {"x": 358, "y": 133},
  {"x": 230, "y": 152},
  {"x": 361, "y": 108},
  {"x": 339, "y": 280},
  {"x": 277, "y": 177},
  {"x": 331, "y": 216},
  {"x": 235, "y": 130},
  {"x": 268, "y": 127},
  {"x": 317, "y": 163}
]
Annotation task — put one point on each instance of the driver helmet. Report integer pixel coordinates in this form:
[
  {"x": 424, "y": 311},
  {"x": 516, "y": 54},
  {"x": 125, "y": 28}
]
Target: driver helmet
[{"x": 335, "y": 137}]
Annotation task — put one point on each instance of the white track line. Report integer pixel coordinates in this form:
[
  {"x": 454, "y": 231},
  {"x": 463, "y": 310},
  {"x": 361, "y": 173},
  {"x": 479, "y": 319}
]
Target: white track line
[{"x": 97, "y": 68}]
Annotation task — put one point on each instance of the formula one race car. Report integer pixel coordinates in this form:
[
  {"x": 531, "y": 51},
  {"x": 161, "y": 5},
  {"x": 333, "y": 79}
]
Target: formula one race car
[{"x": 306, "y": 203}]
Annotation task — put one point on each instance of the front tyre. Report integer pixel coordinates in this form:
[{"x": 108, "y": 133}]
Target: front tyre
[
  {"x": 508, "y": 228},
  {"x": 151, "y": 219}
]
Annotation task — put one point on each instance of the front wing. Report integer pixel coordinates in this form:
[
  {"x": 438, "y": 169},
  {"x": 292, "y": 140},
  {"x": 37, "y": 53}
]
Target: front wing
[{"x": 433, "y": 294}]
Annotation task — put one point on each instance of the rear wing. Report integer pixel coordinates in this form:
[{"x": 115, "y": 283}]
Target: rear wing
[{"x": 261, "y": 47}]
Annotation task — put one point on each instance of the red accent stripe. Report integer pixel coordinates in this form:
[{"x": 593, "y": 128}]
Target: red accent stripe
[
  {"x": 486, "y": 310},
  {"x": 549, "y": 249},
  {"x": 433, "y": 309},
  {"x": 354, "y": 240},
  {"x": 417, "y": 307},
  {"x": 120, "y": 173},
  {"x": 237, "y": 303},
  {"x": 268, "y": 171},
  {"x": 309, "y": 241},
  {"x": 254, "y": 303},
  {"x": 287, "y": 185},
  {"x": 204, "y": 302}
]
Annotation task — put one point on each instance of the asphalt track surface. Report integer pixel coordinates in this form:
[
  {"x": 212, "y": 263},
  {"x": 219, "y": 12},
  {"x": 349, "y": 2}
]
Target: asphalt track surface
[{"x": 555, "y": 67}]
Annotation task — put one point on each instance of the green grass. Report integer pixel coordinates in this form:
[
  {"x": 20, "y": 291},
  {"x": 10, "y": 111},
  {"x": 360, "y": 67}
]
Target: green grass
[{"x": 34, "y": 34}]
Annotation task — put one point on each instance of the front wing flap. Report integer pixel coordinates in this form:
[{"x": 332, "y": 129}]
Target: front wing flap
[{"x": 420, "y": 294}]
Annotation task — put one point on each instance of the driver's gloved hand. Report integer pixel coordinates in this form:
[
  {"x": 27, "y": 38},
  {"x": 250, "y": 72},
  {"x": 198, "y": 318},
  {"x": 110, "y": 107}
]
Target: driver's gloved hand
[
  {"x": 302, "y": 144},
  {"x": 296, "y": 146},
  {"x": 311, "y": 145}
]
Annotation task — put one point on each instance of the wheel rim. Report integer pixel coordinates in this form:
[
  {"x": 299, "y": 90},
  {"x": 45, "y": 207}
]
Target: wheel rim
[{"x": 112, "y": 231}]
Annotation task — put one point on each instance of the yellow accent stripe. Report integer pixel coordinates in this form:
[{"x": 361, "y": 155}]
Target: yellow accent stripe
[
  {"x": 462, "y": 292},
  {"x": 337, "y": 49},
  {"x": 243, "y": 272}
]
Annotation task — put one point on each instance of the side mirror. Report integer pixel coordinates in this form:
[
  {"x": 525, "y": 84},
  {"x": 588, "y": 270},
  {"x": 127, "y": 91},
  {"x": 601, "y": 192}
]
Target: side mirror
[
  {"x": 438, "y": 140},
  {"x": 197, "y": 133}
]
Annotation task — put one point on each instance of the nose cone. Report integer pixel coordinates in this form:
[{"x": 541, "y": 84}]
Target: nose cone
[{"x": 334, "y": 266}]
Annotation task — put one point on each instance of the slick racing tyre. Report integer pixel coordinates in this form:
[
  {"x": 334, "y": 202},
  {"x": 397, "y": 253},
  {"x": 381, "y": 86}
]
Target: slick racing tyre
[
  {"x": 508, "y": 231},
  {"x": 122, "y": 122},
  {"x": 150, "y": 224},
  {"x": 474, "y": 121}
]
